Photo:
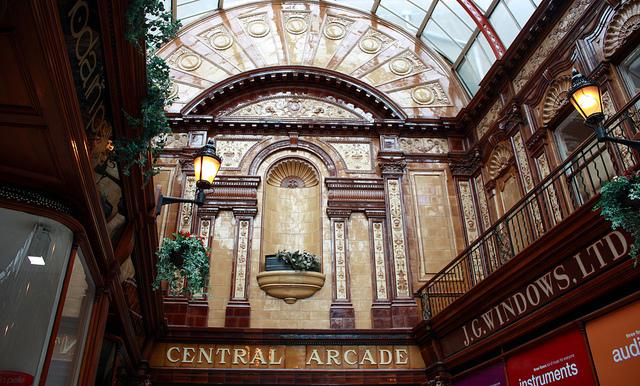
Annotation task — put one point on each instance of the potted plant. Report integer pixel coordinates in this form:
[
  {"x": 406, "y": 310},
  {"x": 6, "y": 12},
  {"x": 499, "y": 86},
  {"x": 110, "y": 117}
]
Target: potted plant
[
  {"x": 291, "y": 275},
  {"x": 292, "y": 261},
  {"x": 183, "y": 258},
  {"x": 620, "y": 204}
]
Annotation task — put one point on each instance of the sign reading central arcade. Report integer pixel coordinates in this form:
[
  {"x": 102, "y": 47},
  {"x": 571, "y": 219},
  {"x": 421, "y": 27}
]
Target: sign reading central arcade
[{"x": 286, "y": 357}]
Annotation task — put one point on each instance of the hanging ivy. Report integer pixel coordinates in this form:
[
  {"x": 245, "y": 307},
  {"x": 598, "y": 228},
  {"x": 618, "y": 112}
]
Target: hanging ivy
[{"x": 148, "y": 24}]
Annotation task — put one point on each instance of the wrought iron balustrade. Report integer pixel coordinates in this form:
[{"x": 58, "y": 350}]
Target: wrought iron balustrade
[{"x": 555, "y": 197}]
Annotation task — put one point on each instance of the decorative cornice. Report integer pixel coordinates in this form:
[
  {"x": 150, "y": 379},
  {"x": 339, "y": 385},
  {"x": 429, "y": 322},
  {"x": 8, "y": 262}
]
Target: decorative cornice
[
  {"x": 537, "y": 140},
  {"x": 464, "y": 164},
  {"x": 338, "y": 213},
  {"x": 354, "y": 194},
  {"x": 392, "y": 163},
  {"x": 235, "y": 193},
  {"x": 33, "y": 197}
]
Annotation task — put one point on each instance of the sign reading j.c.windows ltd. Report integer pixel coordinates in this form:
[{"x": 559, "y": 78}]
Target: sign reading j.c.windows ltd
[{"x": 207, "y": 356}]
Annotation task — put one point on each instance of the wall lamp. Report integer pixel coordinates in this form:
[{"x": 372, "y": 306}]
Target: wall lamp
[
  {"x": 206, "y": 164},
  {"x": 586, "y": 98}
]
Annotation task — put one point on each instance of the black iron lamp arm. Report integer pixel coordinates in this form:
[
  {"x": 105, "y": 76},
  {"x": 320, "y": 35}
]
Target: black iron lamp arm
[
  {"x": 602, "y": 136},
  {"x": 164, "y": 200}
]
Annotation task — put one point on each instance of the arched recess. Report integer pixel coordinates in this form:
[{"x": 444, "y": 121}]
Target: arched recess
[{"x": 280, "y": 146}]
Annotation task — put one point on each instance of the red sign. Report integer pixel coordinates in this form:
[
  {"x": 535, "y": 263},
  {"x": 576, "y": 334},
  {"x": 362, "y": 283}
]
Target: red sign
[
  {"x": 562, "y": 360},
  {"x": 15, "y": 378}
]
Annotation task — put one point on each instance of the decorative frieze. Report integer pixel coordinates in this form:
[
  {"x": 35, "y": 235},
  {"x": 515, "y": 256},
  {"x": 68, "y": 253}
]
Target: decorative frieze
[
  {"x": 340, "y": 263},
  {"x": 300, "y": 107},
  {"x": 356, "y": 156},
  {"x": 489, "y": 119},
  {"x": 482, "y": 203},
  {"x": 468, "y": 211},
  {"x": 559, "y": 31},
  {"x": 242, "y": 255},
  {"x": 424, "y": 145},
  {"x": 232, "y": 151},
  {"x": 186, "y": 212},
  {"x": 379, "y": 261},
  {"x": 397, "y": 238}
]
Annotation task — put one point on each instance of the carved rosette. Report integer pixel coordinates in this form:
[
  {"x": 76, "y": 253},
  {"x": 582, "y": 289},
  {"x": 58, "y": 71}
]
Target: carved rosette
[
  {"x": 340, "y": 260},
  {"x": 623, "y": 24},
  {"x": 566, "y": 23},
  {"x": 186, "y": 212},
  {"x": 468, "y": 212},
  {"x": 397, "y": 238},
  {"x": 378, "y": 259},
  {"x": 242, "y": 254}
]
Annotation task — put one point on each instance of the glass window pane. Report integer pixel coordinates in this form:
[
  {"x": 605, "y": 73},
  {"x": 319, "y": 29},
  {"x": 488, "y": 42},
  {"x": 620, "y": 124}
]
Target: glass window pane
[
  {"x": 439, "y": 40},
  {"x": 504, "y": 24},
  {"x": 232, "y": 3},
  {"x": 476, "y": 64},
  {"x": 521, "y": 10},
  {"x": 190, "y": 8},
  {"x": 35, "y": 252},
  {"x": 483, "y": 4},
  {"x": 404, "y": 14},
  {"x": 455, "y": 7},
  {"x": 454, "y": 27},
  {"x": 76, "y": 314},
  {"x": 469, "y": 76}
]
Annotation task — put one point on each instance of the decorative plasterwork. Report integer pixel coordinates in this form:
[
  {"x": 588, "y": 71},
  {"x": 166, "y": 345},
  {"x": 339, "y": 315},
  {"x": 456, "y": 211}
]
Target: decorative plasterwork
[
  {"x": 489, "y": 119},
  {"x": 397, "y": 238},
  {"x": 176, "y": 140},
  {"x": 205, "y": 231},
  {"x": 232, "y": 151},
  {"x": 336, "y": 27},
  {"x": 256, "y": 26},
  {"x": 431, "y": 94},
  {"x": 406, "y": 63},
  {"x": 357, "y": 156},
  {"x": 468, "y": 212},
  {"x": 523, "y": 163},
  {"x": 340, "y": 260},
  {"x": 559, "y": 31},
  {"x": 499, "y": 159},
  {"x": 217, "y": 38},
  {"x": 242, "y": 255},
  {"x": 296, "y": 22},
  {"x": 482, "y": 202},
  {"x": 300, "y": 107},
  {"x": 555, "y": 97},
  {"x": 353, "y": 194},
  {"x": 292, "y": 173},
  {"x": 625, "y": 22},
  {"x": 185, "y": 59},
  {"x": 374, "y": 41},
  {"x": 186, "y": 212},
  {"x": 424, "y": 145},
  {"x": 550, "y": 190},
  {"x": 378, "y": 260}
]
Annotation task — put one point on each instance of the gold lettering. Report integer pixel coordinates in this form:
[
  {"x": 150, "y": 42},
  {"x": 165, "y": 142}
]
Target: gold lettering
[
  {"x": 185, "y": 354},
  {"x": 386, "y": 356},
  {"x": 169, "y": 357},
  {"x": 203, "y": 353},
  {"x": 223, "y": 351},
  {"x": 346, "y": 357},
  {"x": 239, "y": 355},
  {"x": 367, "y": 357},
  {"x": 257, "y": 356},
  {"x": 272, "y": 356},
  {"x": 315, "y": 357},
  {"x": 333, "y": 356},
  {"x": 624, "y": 244},
  {"x": 402, "y": 356}
]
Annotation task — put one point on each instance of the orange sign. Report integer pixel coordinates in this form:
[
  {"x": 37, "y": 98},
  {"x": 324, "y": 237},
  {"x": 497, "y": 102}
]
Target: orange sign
[{"x": 614, "y": 340}]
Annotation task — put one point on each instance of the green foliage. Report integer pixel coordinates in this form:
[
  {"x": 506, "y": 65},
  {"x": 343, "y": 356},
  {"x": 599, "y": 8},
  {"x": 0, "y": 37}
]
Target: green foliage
[
  {"x": 147, "y": 21},
  {"x": 300, "y": 261},
  {"x": 620, "y": 204},
  {"x": 183, "y": 257}
]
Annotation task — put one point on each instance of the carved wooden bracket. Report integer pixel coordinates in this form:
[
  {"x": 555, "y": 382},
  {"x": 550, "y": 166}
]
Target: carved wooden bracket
[{"x": 465, "y": 164}]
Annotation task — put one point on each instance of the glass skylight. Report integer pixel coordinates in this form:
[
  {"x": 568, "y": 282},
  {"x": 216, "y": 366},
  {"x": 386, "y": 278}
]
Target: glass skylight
[{"x": 444, "y": 25}]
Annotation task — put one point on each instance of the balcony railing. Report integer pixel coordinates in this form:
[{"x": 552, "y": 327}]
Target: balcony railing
[{"x": 559, "y": 194}]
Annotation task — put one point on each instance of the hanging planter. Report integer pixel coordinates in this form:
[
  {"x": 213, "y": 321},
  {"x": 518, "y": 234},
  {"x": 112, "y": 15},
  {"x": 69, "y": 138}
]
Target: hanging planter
[
  {"x": 182, "y": 259},
  {"x": 620, "y": 204}
]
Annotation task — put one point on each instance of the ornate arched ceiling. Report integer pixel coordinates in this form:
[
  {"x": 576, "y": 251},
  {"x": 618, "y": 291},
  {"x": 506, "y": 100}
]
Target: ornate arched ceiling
[{"x": 345, "y": 41}]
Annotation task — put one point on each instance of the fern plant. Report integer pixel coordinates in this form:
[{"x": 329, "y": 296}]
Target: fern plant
[
  {"x": 182, "y": 258},
  {"x": 149, "y": 26},
  {"x": 620, "y": 204},
  {"x": 300, "y": 261}
]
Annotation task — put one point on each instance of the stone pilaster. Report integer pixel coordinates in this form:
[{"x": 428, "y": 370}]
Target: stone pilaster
[
  {"x": 404, "y": 310},
  {"x": 341, "y": 313},
  {"x": 381, "y": 307},
  {"x": 238, "y": 311}
]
